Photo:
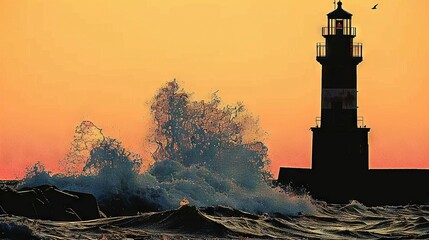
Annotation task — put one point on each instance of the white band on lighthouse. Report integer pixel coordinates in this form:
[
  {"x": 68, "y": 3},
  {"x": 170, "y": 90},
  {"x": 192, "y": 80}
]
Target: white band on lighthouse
[{"x": 347, "y": 98}]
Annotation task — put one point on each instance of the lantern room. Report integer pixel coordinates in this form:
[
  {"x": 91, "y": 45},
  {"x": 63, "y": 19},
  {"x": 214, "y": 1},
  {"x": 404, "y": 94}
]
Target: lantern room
[{"x": 339, "y": 23}]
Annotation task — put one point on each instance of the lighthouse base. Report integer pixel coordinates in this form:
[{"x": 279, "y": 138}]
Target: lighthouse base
[
  {"x": 340, "y": 149},
  {"x": 371, "y": 187}
]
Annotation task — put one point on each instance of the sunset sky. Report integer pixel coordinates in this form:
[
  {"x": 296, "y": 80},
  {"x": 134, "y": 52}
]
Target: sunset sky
[{"x": 65, "y": 61}]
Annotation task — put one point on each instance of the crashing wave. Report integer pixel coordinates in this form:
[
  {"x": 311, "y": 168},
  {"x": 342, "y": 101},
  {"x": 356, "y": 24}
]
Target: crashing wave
[{"x": 208, "y": 154}]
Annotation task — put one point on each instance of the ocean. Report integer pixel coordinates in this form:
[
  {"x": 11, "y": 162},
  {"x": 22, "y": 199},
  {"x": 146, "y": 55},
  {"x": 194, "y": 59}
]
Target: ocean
[
  {"x": 351, "y": 221},
  {"x": 225, "y": 181}
]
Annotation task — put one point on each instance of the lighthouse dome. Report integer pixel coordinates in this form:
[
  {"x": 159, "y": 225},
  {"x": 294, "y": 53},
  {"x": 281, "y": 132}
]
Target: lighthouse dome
[{"x": 340, "y": 13}]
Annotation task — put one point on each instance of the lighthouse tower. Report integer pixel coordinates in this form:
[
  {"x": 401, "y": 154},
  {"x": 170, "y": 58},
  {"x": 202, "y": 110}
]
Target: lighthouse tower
[
  {"x": 340, "y": 139},
  {"x": 340, "y": 171}
]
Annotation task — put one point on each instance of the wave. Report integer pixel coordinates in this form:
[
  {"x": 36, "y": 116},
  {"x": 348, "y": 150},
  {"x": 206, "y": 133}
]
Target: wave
[
  {"x": 208, "y": 154},
  {"x": 187, "y": 221},
  {"x": 221, "y": 222},
  {"x": 15, "y": 230},
  {"x": 152, "y": 192}
]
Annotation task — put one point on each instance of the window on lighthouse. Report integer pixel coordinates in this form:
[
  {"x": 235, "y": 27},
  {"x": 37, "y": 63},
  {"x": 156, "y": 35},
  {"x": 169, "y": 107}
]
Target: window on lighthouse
[{"x": 339, "y": 24}]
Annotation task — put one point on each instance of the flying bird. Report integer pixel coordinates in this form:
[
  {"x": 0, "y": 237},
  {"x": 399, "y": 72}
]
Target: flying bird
[{"x": 375, "y": 6}]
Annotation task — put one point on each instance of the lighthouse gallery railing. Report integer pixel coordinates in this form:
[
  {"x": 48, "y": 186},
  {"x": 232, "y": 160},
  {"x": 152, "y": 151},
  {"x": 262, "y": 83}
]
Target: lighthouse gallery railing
[
  {"x": 356, "y": 50},
  {"x": 360, "y": 122},
  {"x": 330, "y": 31}
]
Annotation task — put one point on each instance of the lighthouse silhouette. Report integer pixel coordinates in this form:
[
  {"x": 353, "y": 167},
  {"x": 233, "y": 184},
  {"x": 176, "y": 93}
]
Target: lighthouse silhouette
[
  {"x": 340, "y": 157},
  {"x": 338, "y": 142}
]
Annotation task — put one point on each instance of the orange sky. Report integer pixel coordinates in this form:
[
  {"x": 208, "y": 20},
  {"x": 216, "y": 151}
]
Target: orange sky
[{"x": 65, "y": 61}]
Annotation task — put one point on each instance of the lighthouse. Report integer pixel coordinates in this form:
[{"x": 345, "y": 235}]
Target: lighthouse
[
  {"x": 340, "y": 171},
  {"x": 340, "y": 138},
  {"x": 339, "y": 160}
]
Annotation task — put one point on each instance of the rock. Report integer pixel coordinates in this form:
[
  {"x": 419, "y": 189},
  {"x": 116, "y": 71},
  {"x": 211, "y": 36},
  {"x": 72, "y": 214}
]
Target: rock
[
  {"x": 86, "y": 206},
  {"x": 49, "y": 203},
  {"x": 2, "y": 211}
]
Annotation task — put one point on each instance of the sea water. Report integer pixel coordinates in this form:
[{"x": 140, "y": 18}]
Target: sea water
[{"x": 351, "y": 221}]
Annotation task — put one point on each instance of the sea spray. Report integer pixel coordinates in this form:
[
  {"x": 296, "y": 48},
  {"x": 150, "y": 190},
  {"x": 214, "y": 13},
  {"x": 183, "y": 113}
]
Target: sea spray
[{"x": 208, "y": 154}]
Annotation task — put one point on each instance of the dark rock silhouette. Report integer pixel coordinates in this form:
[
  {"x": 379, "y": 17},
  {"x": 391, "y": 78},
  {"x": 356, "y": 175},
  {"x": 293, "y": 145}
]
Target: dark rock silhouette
[
  {"x": 128, "y": 203},
  {"x": 49, "y": 203}
]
